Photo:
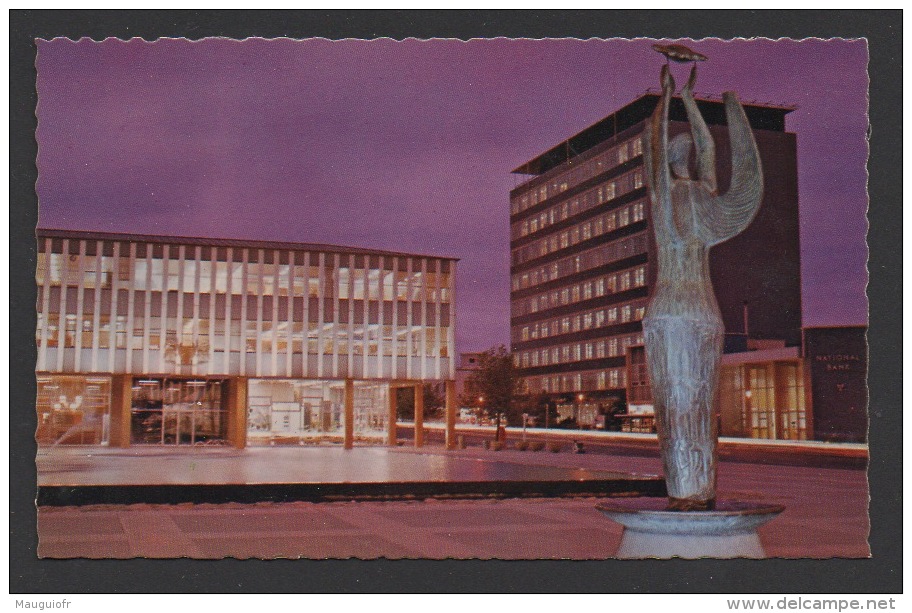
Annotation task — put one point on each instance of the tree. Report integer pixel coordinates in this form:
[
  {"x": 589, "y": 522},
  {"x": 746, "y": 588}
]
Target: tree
[
  {"x": 494, "y": 386},
  {"x": 433, "y": 401}
]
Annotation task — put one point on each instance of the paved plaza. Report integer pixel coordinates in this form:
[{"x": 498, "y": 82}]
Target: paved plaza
[{"x": 825, "y": 516}]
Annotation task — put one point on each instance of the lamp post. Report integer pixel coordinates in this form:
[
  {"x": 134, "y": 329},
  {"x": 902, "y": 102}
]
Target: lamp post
[{"x": 525, "y": 419}]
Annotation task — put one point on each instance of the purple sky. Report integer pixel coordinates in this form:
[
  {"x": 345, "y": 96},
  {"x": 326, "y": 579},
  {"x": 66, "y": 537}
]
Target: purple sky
[{"x": 409, "y": 145}]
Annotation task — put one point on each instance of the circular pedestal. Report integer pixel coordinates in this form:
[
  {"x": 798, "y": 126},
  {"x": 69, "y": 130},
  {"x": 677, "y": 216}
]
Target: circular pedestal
[{"x": 652, "y": 531}]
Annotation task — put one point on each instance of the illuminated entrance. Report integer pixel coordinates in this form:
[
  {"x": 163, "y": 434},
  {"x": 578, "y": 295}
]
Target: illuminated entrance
[{"x": 177, "y": 412}]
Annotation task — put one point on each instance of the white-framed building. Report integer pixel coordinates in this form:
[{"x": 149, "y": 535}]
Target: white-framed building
[{"x": 178, "y": 340}]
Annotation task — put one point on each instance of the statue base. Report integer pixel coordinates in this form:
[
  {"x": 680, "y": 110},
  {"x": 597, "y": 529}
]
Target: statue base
[{"x": 653, "y": 531}]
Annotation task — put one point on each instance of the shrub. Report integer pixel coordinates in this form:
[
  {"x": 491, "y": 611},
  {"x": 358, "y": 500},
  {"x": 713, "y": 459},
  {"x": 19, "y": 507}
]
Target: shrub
[
  {"x": 521, "y": 445},
  {"x": 554, "y": 447},
  {"x": 537, "y": 445},
  {"x": 497, "y": 445}
]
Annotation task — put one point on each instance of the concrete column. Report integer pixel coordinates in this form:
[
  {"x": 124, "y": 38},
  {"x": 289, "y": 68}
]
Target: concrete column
[
  {"x": 419, "y": 415},
  {"x": 237, "y": 412},
  {"x": 391, "y": 418},
  {"x": 46, "y": 311},
  {"x": 349, "y": 413},
  {"x": 450, "y": 415},
  {"x": 121, "y": 401}
]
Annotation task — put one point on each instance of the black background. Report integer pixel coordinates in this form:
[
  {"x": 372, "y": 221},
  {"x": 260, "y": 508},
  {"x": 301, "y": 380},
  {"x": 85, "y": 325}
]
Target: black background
[{"x": 881, "y": 574}]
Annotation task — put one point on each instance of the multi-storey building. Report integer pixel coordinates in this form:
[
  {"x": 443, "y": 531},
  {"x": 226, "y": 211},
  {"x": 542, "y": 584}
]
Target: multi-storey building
[
  {"x": 583, "y": 257},
  {"x": 171, "y": 340}
]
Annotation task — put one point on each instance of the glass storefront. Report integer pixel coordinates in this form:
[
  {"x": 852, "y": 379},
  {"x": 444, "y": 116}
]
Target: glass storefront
[
  {"x": 73, "y": 410},
  {"x": 177, "y": 412},
  {"x": 763, "y": 401},
  {"x": 307, "y": 412}
]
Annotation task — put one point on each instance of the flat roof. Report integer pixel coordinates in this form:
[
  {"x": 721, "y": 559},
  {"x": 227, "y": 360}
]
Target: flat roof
[
  {"x": 761, "y": 115},
  {"x": 226, "y": 242}
]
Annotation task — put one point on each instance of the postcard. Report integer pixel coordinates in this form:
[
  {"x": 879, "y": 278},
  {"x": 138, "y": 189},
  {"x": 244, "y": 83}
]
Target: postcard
[{"x": 442, "y": 299}]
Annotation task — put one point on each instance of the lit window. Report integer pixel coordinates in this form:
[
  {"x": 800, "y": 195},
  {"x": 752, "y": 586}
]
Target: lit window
[
  {"x": 625, "y": 281},
  {"x": 611, "y": 283},
  {"x": 623, "y": 217}
]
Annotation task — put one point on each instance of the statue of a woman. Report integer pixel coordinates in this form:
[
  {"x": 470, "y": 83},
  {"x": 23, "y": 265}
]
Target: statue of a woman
[{"x": 683, "y": 326}]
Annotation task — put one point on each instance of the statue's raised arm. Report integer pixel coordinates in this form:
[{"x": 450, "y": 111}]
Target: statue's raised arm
[
  {"x": 703, "y": 140},
  {"x": 726, "y": 216},
  {"x": 655, "y": 158}
]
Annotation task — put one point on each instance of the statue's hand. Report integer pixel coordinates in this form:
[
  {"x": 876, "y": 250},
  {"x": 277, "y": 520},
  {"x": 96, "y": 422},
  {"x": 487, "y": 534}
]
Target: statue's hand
[
  {"x": 668, "y": 83},
  {"x": 688, "y": 89}
]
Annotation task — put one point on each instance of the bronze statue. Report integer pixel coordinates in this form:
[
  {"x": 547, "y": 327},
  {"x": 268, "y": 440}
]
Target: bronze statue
[{"x": 683, "y": 326}]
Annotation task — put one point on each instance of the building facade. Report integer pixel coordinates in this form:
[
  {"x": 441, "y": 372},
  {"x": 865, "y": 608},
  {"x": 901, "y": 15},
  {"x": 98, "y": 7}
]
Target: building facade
[
  {"x": 583, "y": 257},
  {"x": 836, "y": 361},
  {"x": 153, "y": 340}
]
